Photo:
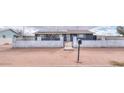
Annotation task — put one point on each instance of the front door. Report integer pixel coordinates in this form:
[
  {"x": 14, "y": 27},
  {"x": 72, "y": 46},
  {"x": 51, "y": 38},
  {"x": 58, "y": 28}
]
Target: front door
[
  {"x": 68, "y": 38},
  {"x": 68, "y": 44}
]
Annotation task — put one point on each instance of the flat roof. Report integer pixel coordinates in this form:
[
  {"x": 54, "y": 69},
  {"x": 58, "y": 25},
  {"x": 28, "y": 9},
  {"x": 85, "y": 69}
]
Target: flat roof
[
  {"x": 65, "y": 32},
  {"x": 79, "y": 32}
]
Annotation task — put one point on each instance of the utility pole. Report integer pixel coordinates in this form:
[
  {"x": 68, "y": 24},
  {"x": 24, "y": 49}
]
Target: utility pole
[{"x": 78, "y": 56}]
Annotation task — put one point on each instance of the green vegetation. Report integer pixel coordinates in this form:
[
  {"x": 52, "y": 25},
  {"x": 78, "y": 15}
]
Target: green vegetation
[
  {"x": 120, "y": 29},
  {"x": 116, "y": 63}
]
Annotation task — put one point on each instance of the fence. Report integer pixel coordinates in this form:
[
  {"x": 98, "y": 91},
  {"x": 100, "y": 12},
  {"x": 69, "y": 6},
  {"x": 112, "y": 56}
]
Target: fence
[
  {"x": 99, "y": 43},
  {"x": 33, "y": 43}
]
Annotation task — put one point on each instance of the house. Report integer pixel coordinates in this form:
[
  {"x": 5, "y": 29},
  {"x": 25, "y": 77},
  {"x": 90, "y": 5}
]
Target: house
[
  {"x": 67, "y": 32},
  {"x": 6, "y": 36},
  {"x": 54, "y": 32},
  {"x": 67, "y": 36},
  {"x": 53, "y": 36}
]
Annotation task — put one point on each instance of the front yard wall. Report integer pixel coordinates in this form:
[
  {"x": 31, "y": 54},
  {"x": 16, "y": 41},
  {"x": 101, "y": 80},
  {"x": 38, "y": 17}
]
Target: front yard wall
[
  {"x": 99, "y": 43},
  {"x": 33, "y": 43}
]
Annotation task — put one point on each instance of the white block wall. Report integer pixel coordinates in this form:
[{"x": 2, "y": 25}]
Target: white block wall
[
  {"x": 99, "y": 43},
  {"x": 26, "y": 44}
]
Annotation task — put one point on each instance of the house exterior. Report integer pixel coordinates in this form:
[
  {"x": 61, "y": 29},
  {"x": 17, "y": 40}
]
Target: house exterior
[
  {"x": 66, "y": 34},
  {"x": 60, "y": 36},
  {"x": 6, "y": 36},
  {"x": 53, "y": 36},
  {"x": 31, "y": 33}
]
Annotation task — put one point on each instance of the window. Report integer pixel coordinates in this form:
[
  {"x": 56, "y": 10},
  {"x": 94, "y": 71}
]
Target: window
[
  {"x": 51, "y": 37},
  {"x": 4, "y": 36}
]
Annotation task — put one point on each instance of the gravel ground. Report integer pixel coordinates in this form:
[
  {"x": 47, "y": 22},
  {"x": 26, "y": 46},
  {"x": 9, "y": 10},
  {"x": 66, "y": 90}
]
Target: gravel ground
[{"x": 38, "y": 57}]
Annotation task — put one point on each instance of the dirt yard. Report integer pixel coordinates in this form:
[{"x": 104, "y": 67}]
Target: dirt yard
[{"x": 29, "y": 57}]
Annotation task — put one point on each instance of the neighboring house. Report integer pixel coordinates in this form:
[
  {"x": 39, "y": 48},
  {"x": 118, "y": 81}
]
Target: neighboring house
[{"x": 6, "y": 36}]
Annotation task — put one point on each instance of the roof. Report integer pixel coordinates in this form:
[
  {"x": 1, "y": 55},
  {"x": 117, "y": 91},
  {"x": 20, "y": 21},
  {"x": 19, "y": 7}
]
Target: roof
[
  {"x": 65, "y": 32},
  {"x": 79, "y": 32},
  {"x": 63, "y": 29},
  {"x": 3, "y": 30}
]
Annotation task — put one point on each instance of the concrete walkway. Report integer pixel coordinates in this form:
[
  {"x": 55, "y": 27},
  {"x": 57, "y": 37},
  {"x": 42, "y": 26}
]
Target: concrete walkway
[{"x": 68, "y": 46}]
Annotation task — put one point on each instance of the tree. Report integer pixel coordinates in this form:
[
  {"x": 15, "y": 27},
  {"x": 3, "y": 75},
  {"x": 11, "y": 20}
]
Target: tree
[{"x": 120, "y": 30}]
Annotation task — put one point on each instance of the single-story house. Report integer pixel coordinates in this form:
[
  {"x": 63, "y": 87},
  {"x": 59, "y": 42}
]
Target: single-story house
[
  {"x": 67, "y": 35},
  {"x": 54, "y": 32},
  {"x": 52, "y": 36},
  {"x": 6, "y": 36},
  {"x": 60, "y": 36}
]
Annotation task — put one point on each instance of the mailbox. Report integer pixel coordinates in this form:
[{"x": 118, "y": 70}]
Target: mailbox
[{"x": 79, "y": 41}]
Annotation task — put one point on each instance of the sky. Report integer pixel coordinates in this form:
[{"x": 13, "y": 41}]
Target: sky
[{"x": 106, "y": 31}]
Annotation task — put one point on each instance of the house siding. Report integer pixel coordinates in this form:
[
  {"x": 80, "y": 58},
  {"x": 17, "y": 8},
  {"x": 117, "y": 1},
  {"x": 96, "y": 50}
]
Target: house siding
[
  {"x": 8, "y": 34},
  {"x": 8, "y": 37}
]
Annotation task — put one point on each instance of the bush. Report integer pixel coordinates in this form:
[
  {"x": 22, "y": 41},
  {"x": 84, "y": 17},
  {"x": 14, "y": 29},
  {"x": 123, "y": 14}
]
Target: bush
[
  {"x": 120, "y": 29},
  {"x": 6, "y": 44},
  {"x": 116, "y": 63}
]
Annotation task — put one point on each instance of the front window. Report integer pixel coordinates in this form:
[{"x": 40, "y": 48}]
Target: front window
[{"x": 51, "y": 37}]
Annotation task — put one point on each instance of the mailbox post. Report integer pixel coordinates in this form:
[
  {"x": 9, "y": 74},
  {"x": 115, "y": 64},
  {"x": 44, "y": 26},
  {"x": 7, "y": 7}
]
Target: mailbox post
[{"x": 78, "y": 57}]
